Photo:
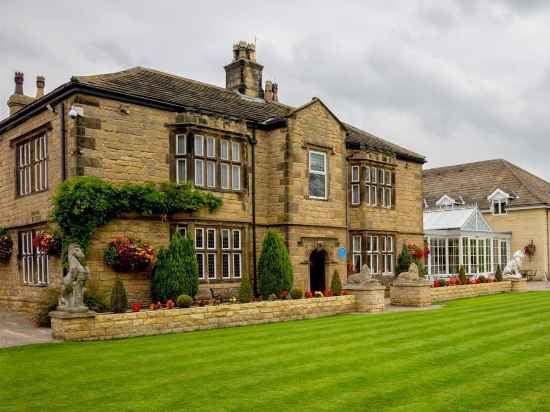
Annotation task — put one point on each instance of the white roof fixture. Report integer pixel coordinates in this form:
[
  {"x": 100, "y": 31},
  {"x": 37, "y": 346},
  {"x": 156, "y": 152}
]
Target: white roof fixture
[
  {"x": 463, "y": 218},
  {"x": 445, "y": 200},
  {"x": 499, "y": 194}
]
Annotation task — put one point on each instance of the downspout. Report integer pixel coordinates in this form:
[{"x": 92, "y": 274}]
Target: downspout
[
  {"x": 253, "y": 143},
  {"x": 63, "y": 144},
  {"x": 547, "y": 247}
]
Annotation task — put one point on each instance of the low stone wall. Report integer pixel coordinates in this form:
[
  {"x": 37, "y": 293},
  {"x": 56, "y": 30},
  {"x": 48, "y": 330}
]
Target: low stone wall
[
  {"x": 469, "y": 291},
  {"x": 92, "y": 326}
]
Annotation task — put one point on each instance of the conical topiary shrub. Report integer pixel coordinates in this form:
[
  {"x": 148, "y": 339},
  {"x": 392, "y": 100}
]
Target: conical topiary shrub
[
  {"x": 119, "y": 300},
  {"x": 245, "y": 291},
  {"x": 404, "y": 260},
  {"x": 498, "y": 274},
  {"x": 274, "y": 269},
  {"x": 176, "y": 271},
  {"x": 336, "y": 283}
]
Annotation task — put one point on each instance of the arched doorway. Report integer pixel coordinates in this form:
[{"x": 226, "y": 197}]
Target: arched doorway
[{"x": 317, "y": 265}]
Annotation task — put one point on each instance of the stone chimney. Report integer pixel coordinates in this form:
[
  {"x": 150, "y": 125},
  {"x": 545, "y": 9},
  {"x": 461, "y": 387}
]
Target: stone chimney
[
  {"x": 275, "y": 92},
  {"x": 243, "y": 74},
  {"x": 18, "y": 100},
  {"x": 268, "y": 93},
  {"x": 40, "y": 84}
]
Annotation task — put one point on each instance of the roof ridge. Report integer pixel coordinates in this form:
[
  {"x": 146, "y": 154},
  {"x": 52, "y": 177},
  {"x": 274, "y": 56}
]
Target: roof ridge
[
  {"x": 514, "y": 170},
  {"x": 435, "y": 169}
]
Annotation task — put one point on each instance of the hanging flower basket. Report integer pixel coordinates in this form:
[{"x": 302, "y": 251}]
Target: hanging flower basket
[
  {"x": 128, "y": 255},
  {"x": 50, "y": 244},
  {"x": 530, "y": 249},
  {"x": 419, "y": 253},
  {"x": 6, "y": 246}
]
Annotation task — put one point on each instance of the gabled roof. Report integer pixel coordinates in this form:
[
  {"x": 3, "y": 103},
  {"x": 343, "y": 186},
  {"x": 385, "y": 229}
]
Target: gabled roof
[
  {"x": 474, "y": 182},
  {"x": 461, "y": 218},
  {"x": 167, "y": 91}
]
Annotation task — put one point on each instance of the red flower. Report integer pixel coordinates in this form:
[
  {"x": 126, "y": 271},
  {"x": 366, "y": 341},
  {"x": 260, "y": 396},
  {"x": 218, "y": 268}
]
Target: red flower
[{"x": 309, "y": 294}]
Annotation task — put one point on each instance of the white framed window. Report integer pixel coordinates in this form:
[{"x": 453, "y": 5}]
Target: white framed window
[
  {"x": 499, "y": 207},
  {"x": 34, "y": 263},
  {"x": 211, "y": 238},
  {"x": 236, "y": 152},
  {"x": 237, "y": 265},
  {"x": 226, "y": 265},
  {"x": 199, "y": 172},
  {"x": 357, "y": 256},
  {"x": 182, "y": 229},
  {"x": 317, "y": 175},
  {"x": 181, "y": 144},
  {"x": 211, "y": 265},
  {"x": 236, "y": 239},
  {"x": 226, "y": 239},
  {"x": 32, "y": 165},
  {"x": 224, "y": 149},
  {"x": 373, "y": 195},
  {"x": 373, "y": 254},
  {"x": 367, "y": 174},
  {"x": 373, "y": 174},
  {"x": 224, "y": 176},
  {"x": 236, "y": 177},
  {"x": 181, "y": 170},
  {"x": 199, "y": 145},
  {"x": 211, "y": 174},
  {"x": 210, "y": 147},
  {"x": 355, "y": 195},
  {"x": 200, "y": 262},
  {"x": 199, "y": 238},
  {"x": 355, "y": 174}
]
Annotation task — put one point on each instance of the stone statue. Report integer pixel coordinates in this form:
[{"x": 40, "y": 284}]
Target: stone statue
[
  {"x": 72, "y": 290},
  {"x": 511, "y": 271},
  {"x": 361, "y": 277},
  {"x": 412, "y": 275}
]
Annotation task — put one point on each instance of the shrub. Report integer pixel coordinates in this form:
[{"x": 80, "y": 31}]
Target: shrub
[
  {"x": 482, "y": 279},
  {"x": 47, "y": 304},
  {"x": 283, "y": 294},
  {"x": 275, "y": 270},
  {"x": 184, "y": 301},
  {"x": 119, "y": 300},
  {"x": 296, "y": 293},
  {"x": 245, "y": 291},
  {"x": 422, "y": 269},
  {"x": 94, "y": 298},
  {"x": 462, "y": 275},
  {"x": 6, "y": 245},
  {"x": 176, "y": 271},
  {"x": 404, "y": 260},
  {"x": 336, "y": 283},
  {"x": 498, "y": 274}
]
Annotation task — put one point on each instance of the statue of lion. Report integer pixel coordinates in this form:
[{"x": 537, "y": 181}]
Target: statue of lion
[
  {"x": 361, "y": 277},
  {"x": 511, "y": 271},
  {"x": 411, "y": 275},
  {"x": 72, "y": 291}
]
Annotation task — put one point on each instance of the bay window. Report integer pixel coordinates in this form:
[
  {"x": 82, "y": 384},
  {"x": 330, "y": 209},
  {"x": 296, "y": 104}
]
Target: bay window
[
  {"x": 375, "y": 187},
  {"x": 219, "y": 258},
  {"x": 377, "y": 251}
]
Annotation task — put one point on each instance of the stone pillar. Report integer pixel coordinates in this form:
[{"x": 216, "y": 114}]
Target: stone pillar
[
  {"x": 72, "y": 325},
  {"x": 411, "y": 293},
  {"x": 519, "y": 285},
  {"x": 369, "y": 296}
]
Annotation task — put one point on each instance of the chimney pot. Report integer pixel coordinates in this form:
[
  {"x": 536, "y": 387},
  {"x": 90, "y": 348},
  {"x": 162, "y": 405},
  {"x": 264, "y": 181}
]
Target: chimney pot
[
  {"x": 268, "y": 93},
  {"x": 275, "y": 89},
  {"x": 40, "y": 84},
  {"x": 18, "y": 83}
]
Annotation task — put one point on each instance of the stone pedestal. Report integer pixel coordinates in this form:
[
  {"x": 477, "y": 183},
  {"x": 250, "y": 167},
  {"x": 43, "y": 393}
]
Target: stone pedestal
[
  {"x": 71, "y": 325},
  {"x": 411, "y": 293},
  {"x": 519, "y": 285},
  {"x": 369, "y": 296}
]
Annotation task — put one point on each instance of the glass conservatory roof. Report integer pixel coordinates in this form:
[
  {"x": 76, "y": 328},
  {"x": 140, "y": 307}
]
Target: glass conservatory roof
[{"x": 467, "y": 218}]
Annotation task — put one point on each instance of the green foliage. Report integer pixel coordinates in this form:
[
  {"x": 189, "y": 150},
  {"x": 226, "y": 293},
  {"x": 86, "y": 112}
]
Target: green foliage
[
  {"x": 176, "y": 270},
  {"x": 82, "y": 204},
  {"x": 336, "y": 284},
  {"x": 422, "y": 269},
  {"x": 184, "y": 301},
  {"x": 48, "y": 304},
  {"x": 462, "y": 275},
  {"x": 245, "y": 291},
  {"x": 482, "y": 279},
  {"x": 498, "y": 274},
  {"x": 3, "y": 231},
  {"x": 95, "y": 298},
  {"x": 296, "y": 293},
  {"x": 404, "y": 260},
  {"x": 275, "y": 271},
  {"x": 119, "y": 300}
]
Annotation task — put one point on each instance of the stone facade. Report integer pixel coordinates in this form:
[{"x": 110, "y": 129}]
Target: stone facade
[
  {"x": 108, "y": 326},
  {"x": 124, "y": 141}
]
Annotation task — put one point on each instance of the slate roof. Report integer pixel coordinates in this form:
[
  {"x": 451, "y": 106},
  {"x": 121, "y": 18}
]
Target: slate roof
[{"x": 474, "y": 182}]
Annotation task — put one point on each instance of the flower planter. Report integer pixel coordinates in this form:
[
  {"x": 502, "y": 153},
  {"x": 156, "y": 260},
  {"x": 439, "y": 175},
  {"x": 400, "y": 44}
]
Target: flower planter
[
  {"x": 136, "y": 307},
  {"x": 6, "y": 249}
]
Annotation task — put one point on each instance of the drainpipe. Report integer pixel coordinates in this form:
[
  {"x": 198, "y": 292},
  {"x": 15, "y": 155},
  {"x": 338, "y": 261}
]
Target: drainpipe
[
  {"x": 63, "y": 144},
  {"x": 547, "y": 248},
  {"x": 253, "y": 143}
]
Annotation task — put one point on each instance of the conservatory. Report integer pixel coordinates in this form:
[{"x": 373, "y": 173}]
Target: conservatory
[{"x": 459, "y": 235}]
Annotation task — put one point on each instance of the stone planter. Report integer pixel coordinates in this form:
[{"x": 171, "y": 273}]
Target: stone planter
[
  {"x": 369, "y": 296},
  {"x": 411, "y": 293}
]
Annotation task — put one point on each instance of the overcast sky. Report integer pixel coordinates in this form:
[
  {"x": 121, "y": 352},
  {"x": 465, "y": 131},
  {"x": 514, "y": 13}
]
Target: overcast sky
[{"x": 457, "y": 81}]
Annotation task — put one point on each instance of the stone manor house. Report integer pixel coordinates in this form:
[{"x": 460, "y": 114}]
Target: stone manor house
[{"x": 324, "y": 184}]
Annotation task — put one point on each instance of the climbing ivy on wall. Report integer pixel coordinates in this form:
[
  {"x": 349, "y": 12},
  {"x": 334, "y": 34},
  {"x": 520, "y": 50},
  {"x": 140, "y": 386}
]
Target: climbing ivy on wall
[{"x": 82, "y": 204}]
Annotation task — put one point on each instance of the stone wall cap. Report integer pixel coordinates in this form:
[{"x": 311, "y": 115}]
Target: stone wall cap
[
  {"x": 416, "y": 283},
  {"x": 60, "y": 314}
]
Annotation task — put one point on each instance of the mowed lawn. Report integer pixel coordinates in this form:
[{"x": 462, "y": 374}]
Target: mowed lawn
[{"x": 489, "y": 353}]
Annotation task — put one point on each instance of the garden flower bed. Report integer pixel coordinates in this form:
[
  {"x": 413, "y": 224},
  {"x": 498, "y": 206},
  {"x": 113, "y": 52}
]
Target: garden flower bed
[{"x": 456, "y": 291}]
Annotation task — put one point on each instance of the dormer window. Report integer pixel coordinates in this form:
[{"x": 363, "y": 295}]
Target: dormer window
[
  {"x": 499, "y": 201},
  {"x": 445, "y": 201}
]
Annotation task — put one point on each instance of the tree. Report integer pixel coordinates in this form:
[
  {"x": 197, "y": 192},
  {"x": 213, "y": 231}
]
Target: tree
[
  {"x": 176, "y": 271},
  {"x": 119, "y": 300},
  {"x": 404, "y": 260},
  {"x": 462, "y": 275},
  {"x": 336, "y": 283},
  {"x": 245, "y": 291},
  {"x": 498, "y": 274},
  {"x": 274, "y": 268}
]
